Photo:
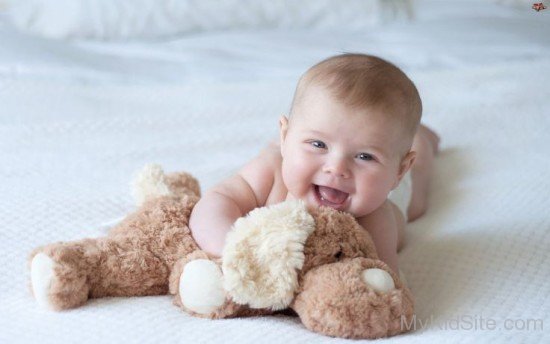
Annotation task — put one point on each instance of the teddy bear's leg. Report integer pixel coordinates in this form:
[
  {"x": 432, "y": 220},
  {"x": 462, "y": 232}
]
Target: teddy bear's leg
[
  {"x": 59, "y": 275},
  {"x": 355, "y": 298},
  {"x": 65, "y": 275},
  {"x": 135, "y": 259},
  {"x": 197, "y": 283}
]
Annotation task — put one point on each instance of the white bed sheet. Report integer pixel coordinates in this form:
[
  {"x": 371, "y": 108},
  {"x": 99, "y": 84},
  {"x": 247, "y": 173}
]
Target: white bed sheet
[{"x": 77, "y": 119}]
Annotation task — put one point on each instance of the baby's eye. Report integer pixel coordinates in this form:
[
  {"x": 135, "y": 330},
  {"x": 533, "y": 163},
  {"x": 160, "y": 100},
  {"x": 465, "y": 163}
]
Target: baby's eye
[
  {"x": 365, "y": 156},
  {"x": 318, "y": 144}
]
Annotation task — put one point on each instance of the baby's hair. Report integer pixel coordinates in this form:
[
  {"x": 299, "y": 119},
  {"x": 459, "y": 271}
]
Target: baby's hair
[{"x": 362, "y": 81}]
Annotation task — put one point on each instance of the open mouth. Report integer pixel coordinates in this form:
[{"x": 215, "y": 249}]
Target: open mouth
[{"x": 330, "y": 197}]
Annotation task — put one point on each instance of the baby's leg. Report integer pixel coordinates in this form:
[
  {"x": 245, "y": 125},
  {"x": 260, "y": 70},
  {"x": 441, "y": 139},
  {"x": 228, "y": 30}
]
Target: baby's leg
[{"x": 426, "y": 146}]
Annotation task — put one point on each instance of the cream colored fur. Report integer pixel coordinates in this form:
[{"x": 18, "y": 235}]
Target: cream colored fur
[
  {"x": 263, "y": 253},
  {"x": 201, "y": 286},
  {"x": 150, "y": 183},
  {"x": 378, "y": 280},
  {"x": 41, "y": 275}
]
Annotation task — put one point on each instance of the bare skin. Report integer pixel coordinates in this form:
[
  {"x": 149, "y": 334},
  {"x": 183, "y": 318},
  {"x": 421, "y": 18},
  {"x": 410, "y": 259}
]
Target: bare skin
[
  {"x": 387, "y": 224},
  {"x": 426, "y": 146},
  {"x": 259, "y": 183}
]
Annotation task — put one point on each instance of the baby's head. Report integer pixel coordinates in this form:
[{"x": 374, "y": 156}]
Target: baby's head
[{"x": 351, "y": 127}]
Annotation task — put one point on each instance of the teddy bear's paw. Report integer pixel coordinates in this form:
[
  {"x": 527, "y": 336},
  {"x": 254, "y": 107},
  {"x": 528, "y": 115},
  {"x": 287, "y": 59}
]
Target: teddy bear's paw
[
  {"x": 378, "y": 279},
  {"x": 201, "y": 286},
  {"x": 42, "y": 274}
]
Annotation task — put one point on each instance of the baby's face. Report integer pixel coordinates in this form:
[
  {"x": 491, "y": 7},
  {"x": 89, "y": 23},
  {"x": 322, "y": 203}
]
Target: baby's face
[{"x": 340, "y": 157}]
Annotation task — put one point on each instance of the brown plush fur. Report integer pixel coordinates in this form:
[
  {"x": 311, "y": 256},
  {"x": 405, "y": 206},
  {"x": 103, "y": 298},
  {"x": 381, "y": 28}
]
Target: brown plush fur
[
  {"x": 334, "y": 300},
  {"x": 145, "y": 255},
  {"x": 135, "y": 259}
]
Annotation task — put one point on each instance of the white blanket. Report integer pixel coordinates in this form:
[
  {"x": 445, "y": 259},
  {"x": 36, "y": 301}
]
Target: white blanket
[{"x": 77, "y": 119}]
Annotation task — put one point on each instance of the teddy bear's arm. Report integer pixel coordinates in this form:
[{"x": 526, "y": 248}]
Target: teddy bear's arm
[{"x": 197, "y": 283}]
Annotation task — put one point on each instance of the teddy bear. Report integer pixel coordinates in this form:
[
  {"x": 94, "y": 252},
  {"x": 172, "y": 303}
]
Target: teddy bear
[{"x": 317, "y": 262}]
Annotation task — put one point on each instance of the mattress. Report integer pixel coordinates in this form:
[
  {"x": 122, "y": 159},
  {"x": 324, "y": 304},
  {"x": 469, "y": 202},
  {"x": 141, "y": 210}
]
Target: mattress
[{"x": 78, "y": 119}]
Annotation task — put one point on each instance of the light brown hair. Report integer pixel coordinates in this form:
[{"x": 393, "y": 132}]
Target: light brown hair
[{"x": 362, "y": 81}]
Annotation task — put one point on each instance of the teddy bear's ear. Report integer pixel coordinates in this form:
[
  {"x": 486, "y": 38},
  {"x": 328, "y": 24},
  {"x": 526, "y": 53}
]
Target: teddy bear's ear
[
  {"x": 263, "y": 254},
  {"x": 149, "y": 183}
]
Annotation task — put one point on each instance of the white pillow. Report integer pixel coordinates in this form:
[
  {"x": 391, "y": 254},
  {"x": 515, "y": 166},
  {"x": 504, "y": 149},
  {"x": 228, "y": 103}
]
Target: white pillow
[
  {"x": 112, "y": 19},
  {"x": 520, "y": 4}
]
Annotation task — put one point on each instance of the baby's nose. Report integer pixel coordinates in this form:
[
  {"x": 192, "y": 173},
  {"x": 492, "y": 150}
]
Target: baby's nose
[{"x": 337, "y": 167}]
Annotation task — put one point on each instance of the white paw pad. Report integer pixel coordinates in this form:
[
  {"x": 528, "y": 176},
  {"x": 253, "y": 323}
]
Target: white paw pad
[
  {"x": 201, "y": 286},
  {"x": 378, "y": 279},
  {"x": 41, "y": 277}
]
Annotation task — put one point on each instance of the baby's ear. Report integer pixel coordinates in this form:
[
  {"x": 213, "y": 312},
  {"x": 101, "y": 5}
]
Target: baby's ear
[
  {"x": 406, "y": 163},
  {"x": 283, "y": 127}
]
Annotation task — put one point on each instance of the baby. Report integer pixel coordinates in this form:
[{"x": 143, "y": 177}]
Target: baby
[{"x": 352, "y": 142}]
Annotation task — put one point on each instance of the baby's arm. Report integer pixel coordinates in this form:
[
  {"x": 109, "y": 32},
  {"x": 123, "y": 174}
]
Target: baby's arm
[
  {"x": 214, "y": 214},
  {"x": 383, "y": 228}
]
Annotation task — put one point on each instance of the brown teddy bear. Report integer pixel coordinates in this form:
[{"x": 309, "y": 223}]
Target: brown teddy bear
[{"x": 318, "y": 262}]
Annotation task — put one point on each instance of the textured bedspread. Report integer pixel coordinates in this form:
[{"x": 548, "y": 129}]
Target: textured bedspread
[{"x": 76, "y": 122}]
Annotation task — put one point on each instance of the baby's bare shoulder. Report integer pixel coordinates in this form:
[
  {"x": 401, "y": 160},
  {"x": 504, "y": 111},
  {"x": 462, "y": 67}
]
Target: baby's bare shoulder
[
  {"x": 384, "y": 231},
  {"x": 272, "y": 153},
  {"x": 261, "y": 171},
  {"x": 381, "y": 223}
]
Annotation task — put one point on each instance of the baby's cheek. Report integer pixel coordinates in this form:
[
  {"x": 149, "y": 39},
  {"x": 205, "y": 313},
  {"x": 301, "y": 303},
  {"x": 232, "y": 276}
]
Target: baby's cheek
[
  {"x": 296, "y": 180},
  {"x": 372, "y": 196},
  {"x": 371, "y": 204}
]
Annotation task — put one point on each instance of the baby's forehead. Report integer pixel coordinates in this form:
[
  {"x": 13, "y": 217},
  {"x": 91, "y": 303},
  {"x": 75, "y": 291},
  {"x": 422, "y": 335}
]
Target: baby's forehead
[
  {"x": 384, "y": 124},
  {"x": 360, "y": 122},
  {"x": 385, "y": 110}
]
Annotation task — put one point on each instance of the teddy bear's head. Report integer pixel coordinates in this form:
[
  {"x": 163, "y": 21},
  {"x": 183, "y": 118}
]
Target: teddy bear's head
[
  {"x": 337, "y": 236},
  {"x": 269, "y": 251}
]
